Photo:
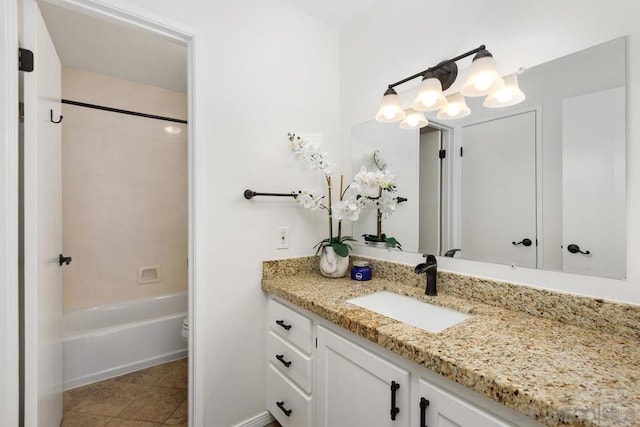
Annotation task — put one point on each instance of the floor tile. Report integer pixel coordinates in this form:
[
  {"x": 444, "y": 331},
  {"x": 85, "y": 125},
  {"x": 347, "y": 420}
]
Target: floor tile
[
  {"x": 107, "y": 398},
  {"x": 154, "y": 404},
  {"x": 179, "y": 416},
  {"x": 119, "y": 422},
  {"x": 74, "y": 419},
  {"x": 176, "y": 376}
]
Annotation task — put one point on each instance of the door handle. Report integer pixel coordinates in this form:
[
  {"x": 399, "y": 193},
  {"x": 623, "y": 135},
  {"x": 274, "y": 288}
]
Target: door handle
[
  {"x": 64, "y": 259},
  {"x": 286, "y": 411},
  {"x": 523, "y": 242},
  {"x": 394, "y": 409},
  {"x": 286, "y": 363},
  {"x": 574, "y": 249},
  {"x": 283, "y": 325},
  {"x": 424, "y": 403}
]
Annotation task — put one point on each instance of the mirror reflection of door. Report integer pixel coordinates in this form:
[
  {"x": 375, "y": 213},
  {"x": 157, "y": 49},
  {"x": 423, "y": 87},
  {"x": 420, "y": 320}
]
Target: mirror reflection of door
[
  {"x": 593, "y": 183},
  {"x": 429, "y": 191},
  {"x": 498, "y": 209}
]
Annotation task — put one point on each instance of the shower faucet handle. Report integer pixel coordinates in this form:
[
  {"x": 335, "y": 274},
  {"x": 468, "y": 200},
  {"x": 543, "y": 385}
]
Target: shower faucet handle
[{"x": 64, "y": 259}]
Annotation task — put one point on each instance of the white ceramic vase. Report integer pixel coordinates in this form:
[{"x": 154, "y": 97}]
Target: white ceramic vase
[{"x": 331, "y": 264}]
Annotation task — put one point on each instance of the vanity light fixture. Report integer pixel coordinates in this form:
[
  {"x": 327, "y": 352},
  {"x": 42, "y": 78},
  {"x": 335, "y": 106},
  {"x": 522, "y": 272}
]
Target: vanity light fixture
[
  {"x": 509, "y": 94},
  {"x": 414, "y": 119},
  {"x": 483, "y": 79},
  {"x": 390, "y": 109},
  {"x": 456, "y": 108}
]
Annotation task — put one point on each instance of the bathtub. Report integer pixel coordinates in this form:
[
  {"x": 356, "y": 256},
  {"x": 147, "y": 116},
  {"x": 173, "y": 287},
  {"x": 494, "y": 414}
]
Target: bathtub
[{"x": 106, "y": 341}]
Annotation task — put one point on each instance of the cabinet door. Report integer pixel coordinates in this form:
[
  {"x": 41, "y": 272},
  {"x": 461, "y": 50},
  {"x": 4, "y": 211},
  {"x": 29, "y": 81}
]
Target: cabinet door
[
  {"x": 447, "y": 410},
  {"x": 354, "y": 386}
]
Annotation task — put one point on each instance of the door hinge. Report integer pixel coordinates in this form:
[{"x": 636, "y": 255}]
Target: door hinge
[
  {"x": 442, "y": 154},
  {"x": 25, "y": 60},
  {"x": 461, "y": 151},
  {"x": 21, "y": 111},
  {"x": 316, "y": 342}
]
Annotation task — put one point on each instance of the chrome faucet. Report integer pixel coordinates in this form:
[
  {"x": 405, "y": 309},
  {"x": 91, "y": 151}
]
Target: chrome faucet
[{"x": 431, "y": 268}]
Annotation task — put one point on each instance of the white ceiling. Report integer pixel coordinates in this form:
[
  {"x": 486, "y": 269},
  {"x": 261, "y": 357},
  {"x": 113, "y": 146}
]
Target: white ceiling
[
  {"x": 336, "y": 13},
  {"x": 91, "y": 44}
]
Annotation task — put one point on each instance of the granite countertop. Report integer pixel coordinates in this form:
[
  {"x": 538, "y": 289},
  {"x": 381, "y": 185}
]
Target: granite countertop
[{"x": 553, "y": 372}]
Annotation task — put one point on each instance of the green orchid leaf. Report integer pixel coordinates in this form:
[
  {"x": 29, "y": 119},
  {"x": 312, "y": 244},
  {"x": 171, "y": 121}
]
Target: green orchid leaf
[{"x": 340, "y": 249}]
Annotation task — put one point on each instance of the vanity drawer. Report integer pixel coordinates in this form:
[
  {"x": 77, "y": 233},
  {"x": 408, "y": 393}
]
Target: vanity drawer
[
  {"x": 291, "y": 362},
  {"x": 281, "y": 391},
  {"x": 291, "y": 325}
]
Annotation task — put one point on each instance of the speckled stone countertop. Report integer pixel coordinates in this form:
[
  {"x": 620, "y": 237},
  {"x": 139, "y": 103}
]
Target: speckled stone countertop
[{"x": 556, "y": 371}]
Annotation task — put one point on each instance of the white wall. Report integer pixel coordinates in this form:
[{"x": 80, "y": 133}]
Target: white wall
[
  {"x": 383, "y": 46},
  {"x": 262, "y": 69}
]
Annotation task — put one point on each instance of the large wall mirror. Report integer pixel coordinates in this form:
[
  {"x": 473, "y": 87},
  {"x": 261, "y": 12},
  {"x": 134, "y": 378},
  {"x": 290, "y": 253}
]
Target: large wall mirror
[{"x": 539, "y": 185}]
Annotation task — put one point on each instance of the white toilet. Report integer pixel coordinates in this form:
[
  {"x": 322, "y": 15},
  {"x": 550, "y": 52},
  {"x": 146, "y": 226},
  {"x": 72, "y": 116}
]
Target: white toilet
[{"x": 185, "y": 329}]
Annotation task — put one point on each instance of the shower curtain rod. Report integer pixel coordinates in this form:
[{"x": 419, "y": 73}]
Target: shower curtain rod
[{"x": 117, "y": 110}]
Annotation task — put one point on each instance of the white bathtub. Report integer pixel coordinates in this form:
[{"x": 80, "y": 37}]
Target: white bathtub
[{"x": 106, "y": 341}]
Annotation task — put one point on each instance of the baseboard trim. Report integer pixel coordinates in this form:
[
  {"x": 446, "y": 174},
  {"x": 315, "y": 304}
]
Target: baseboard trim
[
  {"x": 259, "y": 420},
  {"x": 124, "y": 369}
]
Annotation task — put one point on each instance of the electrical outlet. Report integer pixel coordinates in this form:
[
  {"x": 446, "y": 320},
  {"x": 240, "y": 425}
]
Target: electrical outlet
[{"x": 282, "y": 238}]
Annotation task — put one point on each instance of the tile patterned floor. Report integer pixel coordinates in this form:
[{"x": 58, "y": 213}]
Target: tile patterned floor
[{"x": 151, "y": 397}]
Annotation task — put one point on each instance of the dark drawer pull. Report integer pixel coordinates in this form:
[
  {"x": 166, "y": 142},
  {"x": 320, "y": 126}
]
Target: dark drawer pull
[
  {"x": 424, "y": 403},
  {"x": 286, "y": 411},
  {"x": 280, "y": 357},
  {"x": 284, "y": 325},
  {"x": 394, "y": 409}
]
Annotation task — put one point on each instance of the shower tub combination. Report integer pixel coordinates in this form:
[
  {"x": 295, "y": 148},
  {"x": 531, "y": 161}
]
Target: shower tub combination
[{"x": 106, "y": 341}]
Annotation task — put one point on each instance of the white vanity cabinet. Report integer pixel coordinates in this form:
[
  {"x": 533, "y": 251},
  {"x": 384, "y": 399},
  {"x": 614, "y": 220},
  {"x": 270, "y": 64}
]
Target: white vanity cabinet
[
  {"x": 440, "y": 408},
  {"x": 355, "y": 387},
  {"x": 341, "y": 380},
  {"x": 289, "y": 366}
]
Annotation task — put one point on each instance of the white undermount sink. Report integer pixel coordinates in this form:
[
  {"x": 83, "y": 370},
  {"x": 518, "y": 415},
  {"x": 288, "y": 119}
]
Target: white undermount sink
[{"x": 429, "y": 317}]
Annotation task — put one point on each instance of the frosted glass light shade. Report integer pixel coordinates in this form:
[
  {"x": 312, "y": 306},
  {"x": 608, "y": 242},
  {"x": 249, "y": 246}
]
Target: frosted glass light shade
[
  {"x": 390, "y": 110},
  {"x": 430, "y": 97},
  {"x": 509, "y": 94},
  {"x": 483, "y": 77},
  {"x": 456, "y": 108},
  {"x": 414, "y": 119}
]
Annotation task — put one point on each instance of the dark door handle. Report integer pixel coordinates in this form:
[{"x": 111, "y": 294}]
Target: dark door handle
[
  {"x": 282, "y": 324},
  {"x": 394, "y": 409},
  {"x": 64, "y": 259},
  {"x": 574, "y": 249},
  {"x": 280, "y": 357},
  {"x": 424, "y": 403},
  {"x": 523, "y": 242},
  {"x": 286, "y": 411}
]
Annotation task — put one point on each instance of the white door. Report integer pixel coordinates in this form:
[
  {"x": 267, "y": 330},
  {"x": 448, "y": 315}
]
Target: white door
[
  {"x": 429, "y": 192},
  {"x": 42, "y": 227},
  {"x": 498, "y": 206},
  {"x": 357, "y": 388},
  {"x": 593, "y": 183},
  {"x": 439, "y": 408}
]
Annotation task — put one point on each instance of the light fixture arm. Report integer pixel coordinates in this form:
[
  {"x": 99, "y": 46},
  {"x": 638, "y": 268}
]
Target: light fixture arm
[{"x": 439, "y": 66}]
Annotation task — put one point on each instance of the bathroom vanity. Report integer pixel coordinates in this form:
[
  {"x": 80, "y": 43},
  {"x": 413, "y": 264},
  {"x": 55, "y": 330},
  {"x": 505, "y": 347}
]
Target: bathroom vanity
[{"x": 332, "y": 363}]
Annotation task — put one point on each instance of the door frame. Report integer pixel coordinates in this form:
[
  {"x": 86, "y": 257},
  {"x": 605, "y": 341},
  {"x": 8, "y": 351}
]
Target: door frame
[
  {"x": 9, "y": 181},
  {"x": 123, "y": 14}
]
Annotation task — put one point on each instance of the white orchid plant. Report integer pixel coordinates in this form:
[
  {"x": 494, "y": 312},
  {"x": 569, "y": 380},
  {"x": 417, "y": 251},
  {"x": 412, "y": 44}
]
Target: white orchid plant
[
  {"x": 378, "y": 187},
  {"x": 345, "y": 208},
  {"x": 369, "y": 188}
]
